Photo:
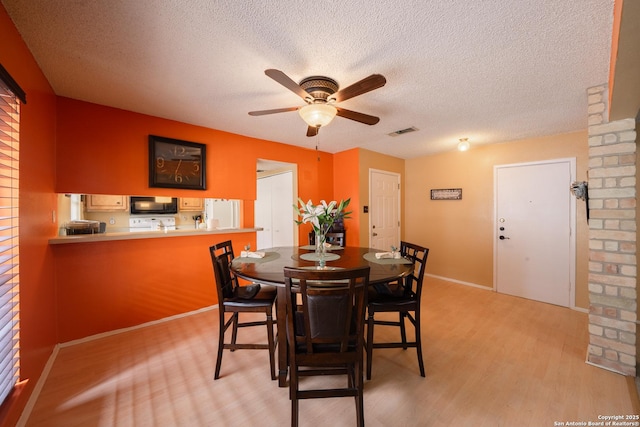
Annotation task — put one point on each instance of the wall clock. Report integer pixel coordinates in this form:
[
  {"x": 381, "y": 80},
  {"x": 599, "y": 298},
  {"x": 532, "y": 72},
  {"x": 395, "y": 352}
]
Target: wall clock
[{"x": 176, "y": 164}]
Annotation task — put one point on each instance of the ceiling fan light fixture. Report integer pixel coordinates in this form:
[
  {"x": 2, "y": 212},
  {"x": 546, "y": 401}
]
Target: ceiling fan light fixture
[
  {"x": 463, "y": 145},
  {"x": 318, "y": 115}
]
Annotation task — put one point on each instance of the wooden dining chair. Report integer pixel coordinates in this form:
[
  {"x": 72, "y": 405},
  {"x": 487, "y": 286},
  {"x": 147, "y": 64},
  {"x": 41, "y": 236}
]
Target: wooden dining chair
[
  {"x": 335, "y": 238},
  {"x": 325, "y": 332},
  {"x": 402, "y": 297},
  {"x": 235, "y": 299}
]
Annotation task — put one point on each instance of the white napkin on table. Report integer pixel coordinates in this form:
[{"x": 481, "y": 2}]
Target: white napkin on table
[
  {"x": 388, "y": 255},
  {"x": 249, "y": 254}
]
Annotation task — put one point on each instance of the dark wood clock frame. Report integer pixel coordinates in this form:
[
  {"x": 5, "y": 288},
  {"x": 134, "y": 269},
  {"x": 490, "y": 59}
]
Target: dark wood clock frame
[{"x": 174, "y": 163}]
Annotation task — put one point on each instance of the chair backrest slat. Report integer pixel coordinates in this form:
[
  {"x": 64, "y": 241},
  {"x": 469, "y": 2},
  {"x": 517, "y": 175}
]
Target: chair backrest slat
[
  {"x": 418, "y": 255},
  {"x": 330, "y": 310},
  {"x": 333, "y": 237},
  {"x": 221, "y": 257}
]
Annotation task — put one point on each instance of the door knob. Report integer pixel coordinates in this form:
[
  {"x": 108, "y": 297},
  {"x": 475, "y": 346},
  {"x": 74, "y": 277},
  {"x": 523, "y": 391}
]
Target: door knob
[
  {"x": 375, "y": 234},
  {"x": 502, "y": 237}
]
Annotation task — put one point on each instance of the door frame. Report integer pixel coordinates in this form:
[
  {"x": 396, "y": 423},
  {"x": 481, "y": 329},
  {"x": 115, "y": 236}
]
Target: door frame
[
  {"x": 371, "y": 172},
  {"x": 277, "y": 168},
  {"x": 572, "y": 222}
]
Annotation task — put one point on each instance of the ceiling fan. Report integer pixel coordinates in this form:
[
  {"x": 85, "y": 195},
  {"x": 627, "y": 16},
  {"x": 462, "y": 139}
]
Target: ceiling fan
[{"x": 321, "y": 94}]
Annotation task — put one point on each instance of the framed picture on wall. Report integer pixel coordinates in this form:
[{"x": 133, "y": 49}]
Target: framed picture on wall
[
  {"x": 446, "y": 194},
  {"x": 176, "y": 164}
]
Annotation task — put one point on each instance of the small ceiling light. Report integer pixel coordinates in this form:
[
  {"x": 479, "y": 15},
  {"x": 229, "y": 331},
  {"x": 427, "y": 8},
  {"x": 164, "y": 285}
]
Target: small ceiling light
[
  {"x": 318, "y": 115},
  {"x": 463, "y": 145}
]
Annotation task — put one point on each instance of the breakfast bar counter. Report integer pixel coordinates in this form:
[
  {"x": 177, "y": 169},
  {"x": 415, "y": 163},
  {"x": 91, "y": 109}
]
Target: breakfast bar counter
[{"x": 134, "y": 235}]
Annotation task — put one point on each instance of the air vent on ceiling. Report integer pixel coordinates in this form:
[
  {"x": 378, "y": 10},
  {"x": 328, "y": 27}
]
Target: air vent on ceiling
[{"x": 403, "y": 131}]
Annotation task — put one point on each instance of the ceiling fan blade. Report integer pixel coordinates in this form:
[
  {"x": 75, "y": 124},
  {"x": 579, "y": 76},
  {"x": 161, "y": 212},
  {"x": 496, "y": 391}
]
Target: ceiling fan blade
[
  {"x": 312, "y": 131},
  {"x": 358, "y": 117},
  {"x": 374, "y": 81},
  {"x": 276, "y": 110},
  {"x": 286, "y": 81}
]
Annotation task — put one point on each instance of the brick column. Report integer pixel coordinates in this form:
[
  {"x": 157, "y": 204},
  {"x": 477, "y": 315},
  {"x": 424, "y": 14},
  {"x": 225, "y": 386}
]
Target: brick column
[{"x": 612, "y": 238}]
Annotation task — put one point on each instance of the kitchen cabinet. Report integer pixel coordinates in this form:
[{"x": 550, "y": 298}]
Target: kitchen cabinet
[
  {"x": 191, "y": 204},
  {"x": 106, "y": 203}
]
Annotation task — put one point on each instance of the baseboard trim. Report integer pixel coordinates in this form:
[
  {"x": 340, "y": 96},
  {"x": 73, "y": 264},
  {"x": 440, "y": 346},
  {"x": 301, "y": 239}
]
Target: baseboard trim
[
  {"x": 486, "y": 288},
  {"x": 26, "y": 412},
  {"x": 606, "y": 368},
  {"x": 460, "y": 282},
  {"x": 595, "y": 365},
  {"x": 133, "y": 328}
]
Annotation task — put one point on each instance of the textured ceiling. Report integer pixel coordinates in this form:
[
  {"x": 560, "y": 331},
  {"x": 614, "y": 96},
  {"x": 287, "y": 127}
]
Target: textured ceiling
[{"x": 491, "y": 71}]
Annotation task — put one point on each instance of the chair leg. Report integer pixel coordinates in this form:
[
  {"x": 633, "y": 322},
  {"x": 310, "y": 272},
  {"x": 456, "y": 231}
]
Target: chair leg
[
  {"x": 370, "y": 322},
  {"x": 359, "y": 383},
  {"x": 234, "y": 332},
  {"x": 351, "y": 377},
  {"x": 403, "y": 331},
  {"x": 294, "y": 412},
  {"x": 419, "y": 342},
  {"x": 272, "y": 349},
  {"x": 220, "y": 346},
  {"x": 293, "y": 395}
]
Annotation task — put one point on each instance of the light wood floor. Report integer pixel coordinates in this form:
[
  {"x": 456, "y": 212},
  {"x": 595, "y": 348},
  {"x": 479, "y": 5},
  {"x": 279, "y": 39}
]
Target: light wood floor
[{"x": 490, "y": 359}]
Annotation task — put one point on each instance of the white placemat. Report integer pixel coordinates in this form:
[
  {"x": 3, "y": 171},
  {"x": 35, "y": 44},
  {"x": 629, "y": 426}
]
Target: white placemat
[
  {"x": 312, "y": 256},
  {"x": 371, "y": 257},
  {"x": 313, "y": 248},
  {"x": 268, "y": 256}
]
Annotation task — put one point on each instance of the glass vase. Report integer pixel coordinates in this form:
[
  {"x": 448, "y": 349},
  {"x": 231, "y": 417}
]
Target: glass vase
[{"x": 321, "y": 249}]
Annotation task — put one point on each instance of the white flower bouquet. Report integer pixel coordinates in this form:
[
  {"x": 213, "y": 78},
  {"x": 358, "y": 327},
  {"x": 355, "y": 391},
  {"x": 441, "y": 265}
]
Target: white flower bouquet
[{"x": 322, "y": 216}]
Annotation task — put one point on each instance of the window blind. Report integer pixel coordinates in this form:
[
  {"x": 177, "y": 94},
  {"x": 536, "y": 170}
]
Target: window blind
[{"x": 9, "y": 235}]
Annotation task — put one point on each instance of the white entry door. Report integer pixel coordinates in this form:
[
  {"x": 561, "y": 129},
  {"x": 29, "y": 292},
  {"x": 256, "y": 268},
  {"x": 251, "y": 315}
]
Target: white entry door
[
  {"x": 535, "y": 245},
  {"x": 274, "y": 211},
  {"x": 384, "y": 212}
]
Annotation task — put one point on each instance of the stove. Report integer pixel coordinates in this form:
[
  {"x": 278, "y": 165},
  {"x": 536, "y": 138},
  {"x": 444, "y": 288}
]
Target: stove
[{"x": 152, "y": 223}]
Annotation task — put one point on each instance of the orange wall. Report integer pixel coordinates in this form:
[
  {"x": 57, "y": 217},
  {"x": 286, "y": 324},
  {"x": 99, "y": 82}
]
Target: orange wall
[
  {"x": 37, "y": 202},
  {"x": 104, "y": 150},
  {"x": 345, "y": 186},
  {"x": 104, "y": 286},
  {"x": 460, "y": 234},
  {"x": 315, "y": 187},
  {"x": 110, "y": 285}
]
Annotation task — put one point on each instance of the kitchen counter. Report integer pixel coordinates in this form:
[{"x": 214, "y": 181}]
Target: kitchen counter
[{"x": 132, "y": 235}]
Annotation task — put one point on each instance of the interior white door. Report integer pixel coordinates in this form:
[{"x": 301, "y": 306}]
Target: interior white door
[
  {"x": 384, "y": 212},
  {"x": 274, "y": 211},
  {"x": 262, "y": 214},
  {"x": 534, "y": 249},
  {"x": 282, "y": 213}
]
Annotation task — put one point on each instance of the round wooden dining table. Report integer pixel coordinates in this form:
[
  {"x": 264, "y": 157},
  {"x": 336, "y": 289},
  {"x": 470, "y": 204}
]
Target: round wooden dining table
[{"x": 267, "y": 268}]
